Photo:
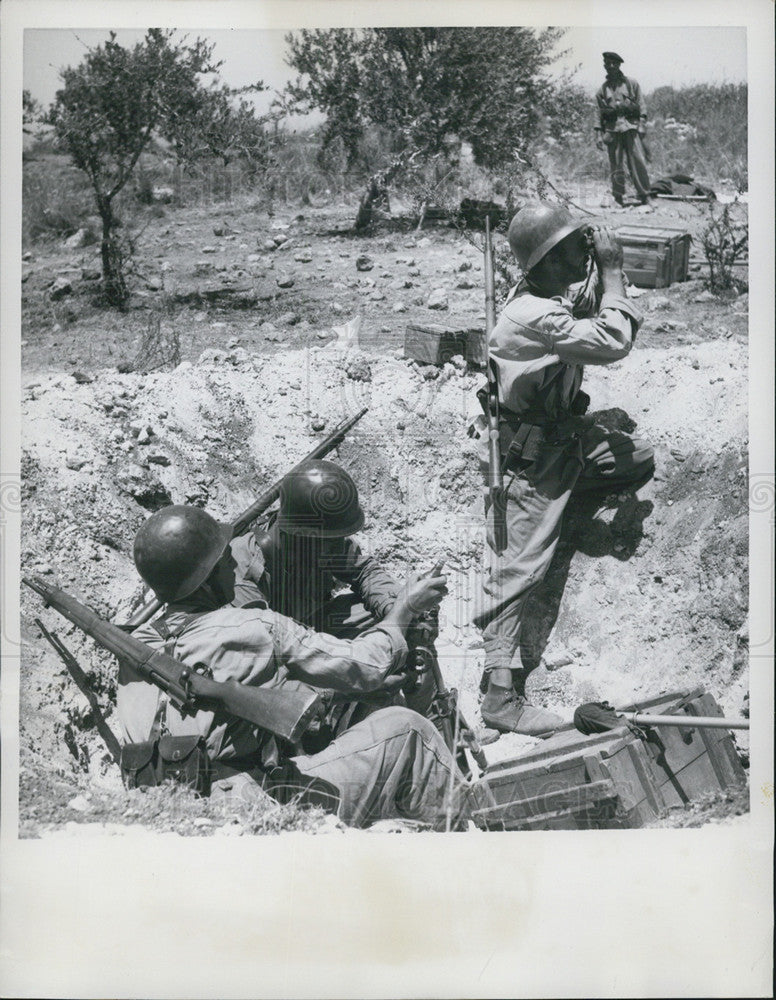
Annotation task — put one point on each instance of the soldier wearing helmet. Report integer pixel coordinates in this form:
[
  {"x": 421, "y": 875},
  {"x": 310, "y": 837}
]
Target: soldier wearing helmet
[
  {"x": 308, "y": 549},
  {"x": 544, "y": 337},
  {"x": 622, "y": 120},
  {"x": 364, "y": 775}
]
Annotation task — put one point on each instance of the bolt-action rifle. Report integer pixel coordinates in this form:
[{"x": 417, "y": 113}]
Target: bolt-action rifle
[
  {"x": 495, "y": 477},
  {"x": 285, "y": 713},
  {"x": 243, "y": 521}
]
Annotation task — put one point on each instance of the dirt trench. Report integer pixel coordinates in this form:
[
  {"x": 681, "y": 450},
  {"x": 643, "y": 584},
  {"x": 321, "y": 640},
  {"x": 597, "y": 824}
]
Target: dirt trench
[{"x": 647, "y": 593}]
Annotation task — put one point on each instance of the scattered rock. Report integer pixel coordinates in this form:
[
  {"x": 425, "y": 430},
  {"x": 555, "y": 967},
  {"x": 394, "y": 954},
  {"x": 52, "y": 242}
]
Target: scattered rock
[
  {"x": 437, "y": 299},
  {"x": 430, "y": 373},
  {"x": 267, "y": 246},
  {"x": 75, "y": 462},
  {"x": 209, "y": 250},
  {"x": 162, "y": 194},
  {"x": 465, "y": 266},
  {"x": 91, "y": 274},
  {"x": 318, "y": 423},
  {"x": 399, "y": 307},
  {"x": 82, "y": 238},
  {"x": 556, "y": 658},
  {"x": 27, "y": 255},
  {"x": 660, "y": 302},
  {"x": 358, "y": 369},
  {"x": 80, "y": 804},
  {"x": 285, "y": 281},
  {"x": 60, "y": 288},
  {"x": 304, "y": 257},
  {"x": 212, "y": 356},
  {"x": 364, "y": 263},
  {"x": 288, "y": 319},
  {"x": 705, "y": 296},
  {"x": 466, "y": 283}
]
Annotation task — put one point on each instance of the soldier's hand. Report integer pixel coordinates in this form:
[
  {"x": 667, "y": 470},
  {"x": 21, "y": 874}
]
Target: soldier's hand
[
  {"x": 422, "y": 593},
  {"x": 607, "y": 247},
  {"x": 419, "y": 594}
]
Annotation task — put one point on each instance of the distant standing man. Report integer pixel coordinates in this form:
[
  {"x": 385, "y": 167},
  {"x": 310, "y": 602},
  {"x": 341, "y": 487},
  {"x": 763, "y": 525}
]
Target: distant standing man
[{"x": 621, "y": 125}]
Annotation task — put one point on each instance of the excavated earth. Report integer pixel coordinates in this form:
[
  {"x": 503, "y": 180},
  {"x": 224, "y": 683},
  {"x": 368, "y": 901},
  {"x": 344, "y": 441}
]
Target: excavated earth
[{"x": 647, "y": 592}]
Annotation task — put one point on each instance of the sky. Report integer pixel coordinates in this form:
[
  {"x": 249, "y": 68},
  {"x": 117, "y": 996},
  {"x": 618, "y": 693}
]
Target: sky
[{"x": 654, "y": 56}]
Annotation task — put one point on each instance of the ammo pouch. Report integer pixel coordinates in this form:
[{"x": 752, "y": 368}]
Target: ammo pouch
[{"x": 182, "y": 759}]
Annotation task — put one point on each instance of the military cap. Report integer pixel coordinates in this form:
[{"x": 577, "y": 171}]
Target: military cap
[{"x": 613, "y": 55}]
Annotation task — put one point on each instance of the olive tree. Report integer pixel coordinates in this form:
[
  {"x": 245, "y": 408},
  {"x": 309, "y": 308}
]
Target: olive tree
[
  {"x": 485, "y": 86},
  {"x": 117, "y": 100}
]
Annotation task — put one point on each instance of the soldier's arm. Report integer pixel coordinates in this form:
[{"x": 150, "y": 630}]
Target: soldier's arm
[
  {"x": 372, "y": 584},
  {"x": 354, "y": 666},
  {"x": 639, "y": 99},
  {"x": 599, "y": 341}
]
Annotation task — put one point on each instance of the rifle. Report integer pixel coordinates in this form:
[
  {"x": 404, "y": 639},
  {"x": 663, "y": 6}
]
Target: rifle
[
  {"x": 285, "y": 713},
  {"x": 443, "y": 710},
  {"x": 74, "y": 668},
  {"x": 495, "y": 477},
  {"x": 243, "y": 521}
]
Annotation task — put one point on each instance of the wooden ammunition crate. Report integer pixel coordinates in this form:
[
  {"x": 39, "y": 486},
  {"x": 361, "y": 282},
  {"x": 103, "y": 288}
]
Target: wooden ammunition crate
[
  {"x": 434, "y": 344},
  {"x": 655, "y": 257},
  {"x": 612, "y": 779}
]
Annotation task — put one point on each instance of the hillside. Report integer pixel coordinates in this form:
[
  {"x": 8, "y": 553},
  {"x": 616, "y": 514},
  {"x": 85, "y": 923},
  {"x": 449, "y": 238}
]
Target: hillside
[{"x": 648, "y": 592}]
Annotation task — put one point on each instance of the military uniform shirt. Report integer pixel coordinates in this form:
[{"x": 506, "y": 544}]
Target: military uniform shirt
[{"x": 257, "y": 647}]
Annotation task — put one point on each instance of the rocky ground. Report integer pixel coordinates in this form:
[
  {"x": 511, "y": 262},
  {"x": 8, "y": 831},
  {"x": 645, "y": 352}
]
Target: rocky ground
[{"x": 283, "y": 327}]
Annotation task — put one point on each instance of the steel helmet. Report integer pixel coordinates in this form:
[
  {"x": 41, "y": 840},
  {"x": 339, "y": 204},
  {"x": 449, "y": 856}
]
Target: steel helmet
[
  {"x": 537, "y": 228},
  {"x": 319, "y": 498},
  {"x": 177, "y": 548}
]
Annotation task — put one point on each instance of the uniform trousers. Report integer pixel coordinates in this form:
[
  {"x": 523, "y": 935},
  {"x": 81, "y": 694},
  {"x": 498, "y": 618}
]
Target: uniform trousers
[
  {"x": 592, "y": 459},
  {"x": 627, "y": 147},
  {"x": 393, "y": 764}
]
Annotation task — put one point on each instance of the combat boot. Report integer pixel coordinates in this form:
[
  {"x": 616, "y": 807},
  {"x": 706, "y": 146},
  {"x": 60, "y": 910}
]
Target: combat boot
[{"x": 507, "y": 711}]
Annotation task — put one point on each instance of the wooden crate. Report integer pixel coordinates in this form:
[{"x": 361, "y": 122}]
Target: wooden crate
[
  {"x": 572, "y": 782},
  {"x": 655, "y": 256},
  {"x": 693, "y": 761},
  {"x": 611, "y": 779},
  {"x": 434, "y": 344}
]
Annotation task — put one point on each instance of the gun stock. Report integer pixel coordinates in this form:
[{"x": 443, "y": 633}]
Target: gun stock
[
  {"x": 243, "y": 521},
  {"x": 284, "y": 713}
]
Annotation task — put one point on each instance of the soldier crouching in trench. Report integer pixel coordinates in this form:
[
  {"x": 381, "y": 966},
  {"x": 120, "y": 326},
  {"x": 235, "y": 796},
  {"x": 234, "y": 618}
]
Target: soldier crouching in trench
[
  {"x": 549, "y": 450},
  {"x": 392, "y": 764},
  {"x": 297, "y": 559}
]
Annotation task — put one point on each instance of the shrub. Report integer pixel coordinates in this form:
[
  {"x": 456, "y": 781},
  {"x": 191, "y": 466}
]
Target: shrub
[{"x": 724, "y": 242}]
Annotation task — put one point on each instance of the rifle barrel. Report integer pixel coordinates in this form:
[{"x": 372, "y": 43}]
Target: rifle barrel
[{"x": 686, "y": 721}]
